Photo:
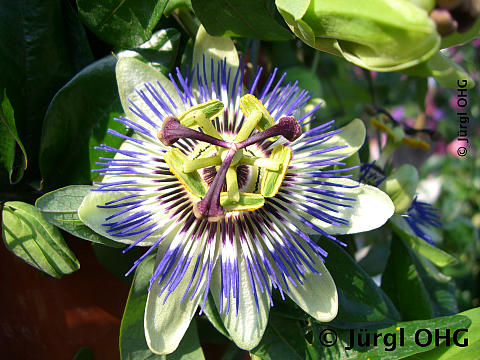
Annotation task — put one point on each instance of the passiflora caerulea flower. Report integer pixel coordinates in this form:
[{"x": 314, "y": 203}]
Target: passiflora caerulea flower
[
  {"x": 222, "y": 183},
  {"x": 412, "y": 216}
]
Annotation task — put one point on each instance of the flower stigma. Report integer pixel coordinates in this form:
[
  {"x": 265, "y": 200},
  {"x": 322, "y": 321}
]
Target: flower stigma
[{"x": 226, "y": 155}]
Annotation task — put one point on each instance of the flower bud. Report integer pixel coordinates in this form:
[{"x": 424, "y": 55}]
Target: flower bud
[
  {"x": 401, "y": 186},
  {"x": 446, "y": 24},
  {"x": 380, "y": 35}
]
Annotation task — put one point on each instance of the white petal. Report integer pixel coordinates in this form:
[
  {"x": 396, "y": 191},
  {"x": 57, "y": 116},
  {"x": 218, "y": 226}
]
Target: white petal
[
  {"x": 246, "y": 328},
  {"x": 214, "y": 48},
  {"x": 352, "y": 137},
  {"x": 318, "y": 294},
  {"x": 370, "y": 210},
  {"x": 166, "y": 323},
  {"x": 132, "y": 74},
  {"x": 94, "y": 217}
]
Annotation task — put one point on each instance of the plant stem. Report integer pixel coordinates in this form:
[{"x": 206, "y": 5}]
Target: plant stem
[{"x": 189, "y": 22}]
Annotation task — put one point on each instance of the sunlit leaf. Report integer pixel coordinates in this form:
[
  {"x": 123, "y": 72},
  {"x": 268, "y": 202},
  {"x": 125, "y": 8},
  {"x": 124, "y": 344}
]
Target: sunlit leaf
[{"x": 29, "y": 236}]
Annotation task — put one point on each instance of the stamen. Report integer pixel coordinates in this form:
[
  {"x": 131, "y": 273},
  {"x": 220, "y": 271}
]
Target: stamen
[
  {"x": 206, "y": 124},
  {"x": 250, "y": 122},
  {"x": 232, "y": 185},
  {"x": 202, "y": 115},
  {"x": 266, "y": 163},
  {"x": 172, "y": 130},
  {"x": 287, "y": 126},
  {"x": 200, "y": 163}
]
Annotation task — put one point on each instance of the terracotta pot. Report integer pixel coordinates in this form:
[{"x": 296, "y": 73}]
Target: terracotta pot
[{"x": 46, "y": 318}]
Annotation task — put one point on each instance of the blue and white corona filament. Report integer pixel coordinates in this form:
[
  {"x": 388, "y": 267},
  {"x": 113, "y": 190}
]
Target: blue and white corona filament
[{"x": 222, "y": 183}]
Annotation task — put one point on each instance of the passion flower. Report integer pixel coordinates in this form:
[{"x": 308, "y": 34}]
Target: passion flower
[{"x": 222, "y": 183}]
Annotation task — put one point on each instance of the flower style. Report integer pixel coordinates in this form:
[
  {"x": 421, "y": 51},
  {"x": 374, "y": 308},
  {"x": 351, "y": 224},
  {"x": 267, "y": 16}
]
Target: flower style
[{"x": 221, "y": 182}]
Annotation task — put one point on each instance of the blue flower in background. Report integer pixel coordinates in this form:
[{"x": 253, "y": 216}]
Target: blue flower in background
[{"x": 420, "y": 217}]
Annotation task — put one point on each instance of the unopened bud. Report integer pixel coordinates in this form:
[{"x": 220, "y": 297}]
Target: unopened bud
[
  {"x": 377, "y": 35},
  {"x": 444, "y": 21}
]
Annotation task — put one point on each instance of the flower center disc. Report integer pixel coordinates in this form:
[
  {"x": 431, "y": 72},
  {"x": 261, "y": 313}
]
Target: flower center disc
[{"x": 232, "y": 171}]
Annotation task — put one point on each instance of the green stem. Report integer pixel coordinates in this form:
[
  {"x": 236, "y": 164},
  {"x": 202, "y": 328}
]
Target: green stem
[
  {"x": 315, "y": 62},
  {"x": 371, "y": 86},
  {"x": 189, "y": 22},
  {"x": 386, "y": 153}
]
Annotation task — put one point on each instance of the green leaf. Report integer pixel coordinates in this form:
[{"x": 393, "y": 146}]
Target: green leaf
[
  {"x": 361, "y": 301},
  {"x": 418, "y": 290},
  {"x": 77, "y": 41},
  {"x": 432, "y": 253},
  {"x": 123, "y": 23},
  {"x": 116, "y": 261},
  {"x": 468, "y": 346},
  {"x": 459, "y": 234},
  {"x": 37, "y": 57},
  {"x": 295, "y": 8},
  {"x": 85, "y": 353},
  {"x": 8, "y": 142},
  {"x": 282, "y": 340},
  {"x": 461, "y": 38},
  {"x": 132, "y": 340},
  {"x": 247, "y": 18},
  {"x": 375, "y": 260},
  {"x": 177, "y": 4},
  {"x": 60, "y": 208},
  {"x": 214, "y": 317},
  {"x": 307, "y": 79},
  {"x": 83, "y": 110},
  {"x": 29, "y": 236},
  {"x": 133, "y": 345},
  {"x": 77, "y": 118},
  {"x": 386, "y": 348}
]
